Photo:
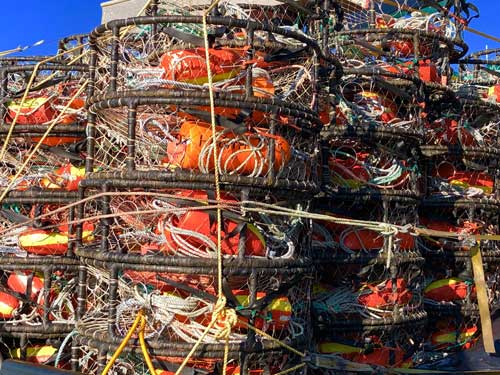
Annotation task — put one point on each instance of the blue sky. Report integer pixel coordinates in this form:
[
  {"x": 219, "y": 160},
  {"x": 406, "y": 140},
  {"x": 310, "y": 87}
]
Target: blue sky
[{"x": 53, "y": 19}]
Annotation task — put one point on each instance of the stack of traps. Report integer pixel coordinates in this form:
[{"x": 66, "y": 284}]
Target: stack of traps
[
  {"x": 131, "y": 204},
  {"x": 120, "y": 168}
]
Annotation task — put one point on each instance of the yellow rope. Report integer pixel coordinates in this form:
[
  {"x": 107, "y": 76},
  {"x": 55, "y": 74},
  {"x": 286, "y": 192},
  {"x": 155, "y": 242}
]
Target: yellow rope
[
  {"x": 221, "y": 312},
  {"x": 126, "y": 339},
  {"x": 214, "y": 140},
  {"x": 195, "y": 346},
  {"x": 44, "y": 136},
  {"x": 271, "y": 338},
  {"x": 144, "y": 348}
]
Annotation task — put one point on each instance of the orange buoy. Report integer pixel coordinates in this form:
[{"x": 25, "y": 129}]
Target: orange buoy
[
  {"x": 448, "y": 290},
  {"x": 189, "y": 65},
  {"x": 278, "y": 312},
  {"x": 8, "y": 305},
  {"x": 35, "y": 354},
  {"x": 66, "y": 177},
  {"x": 451, "y": 337},
  {"x": 18, "y": 282},
  {"x": 38, "y": 110},
  {"x": 366, "y": 239},
  {"x": 383, "y": 295},
  {"x": 177, "y": 228},
  {"x": 246, "y": 154},
  {"x": 51, "y": 242}
]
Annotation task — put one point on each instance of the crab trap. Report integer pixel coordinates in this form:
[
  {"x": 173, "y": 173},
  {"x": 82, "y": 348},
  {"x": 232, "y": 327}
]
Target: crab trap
[
  {"x": 160, "y": 245},
  {"x": 366, "y": 166},
  {"x": 345, "y": 240}
]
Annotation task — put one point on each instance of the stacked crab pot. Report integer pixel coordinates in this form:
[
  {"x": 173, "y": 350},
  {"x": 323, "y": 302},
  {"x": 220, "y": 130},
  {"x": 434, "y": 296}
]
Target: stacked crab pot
[
  {"x": 41, "y": 164},
  {"x": 461, "y": 167},
  {"x": 169, "y": 187},
  {"x": 369, "y": 307}
]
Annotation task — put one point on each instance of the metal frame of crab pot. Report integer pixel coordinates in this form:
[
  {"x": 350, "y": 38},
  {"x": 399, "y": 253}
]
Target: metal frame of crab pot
[
  {"x": 465, "y": 154},
  {"x": 416, "y": 318},
  {"x": 474, "y": 207},
  {"x": 377, "y": 138},
  {"x": 384, "y": 199},
  {"x": 467, "y": 309},
  {"x": 452, "y": 49},
  {"x": 72, "y": 54},
  {"x": 403, "y": 86},
  {"x": 107, "y": 341},
  {"x": 47, "y": 265},
  {"x": 28, "y": 69},
  {"x": 132, "y": 100},
  {"x": 115, "y": 262},
  {"x": 398, "y": 262},
  {"x": 116, "y": 26}
]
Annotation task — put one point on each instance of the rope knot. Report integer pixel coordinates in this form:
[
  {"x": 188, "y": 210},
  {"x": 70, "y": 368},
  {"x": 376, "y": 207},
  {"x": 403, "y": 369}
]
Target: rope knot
[
  {"x": 226, "y": 319},
  {"x": 388, "y": 230}
]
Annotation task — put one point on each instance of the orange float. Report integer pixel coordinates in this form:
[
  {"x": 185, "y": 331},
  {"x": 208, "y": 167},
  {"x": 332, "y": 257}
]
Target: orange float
[
  {"x": 51, "y": 242},
  {"x": 451, "y": 337},
  {"x": 66, "y": 178},
  {"x": 448, "y": 290},
  {"x": 383, "y": 295},
  {"x": 380, "y": 355},
  {"x": 8, "y": 305},
  {"x": 241, "y": 154},
  {"x": 189, "y": 65},
  {"x": 38, "y": 111},
  {"x": 366, "y": 239},
  {"x": 18, "y": 282},
  {"x": 201, "y": 222},
  {"x": 464, "y": 179}
]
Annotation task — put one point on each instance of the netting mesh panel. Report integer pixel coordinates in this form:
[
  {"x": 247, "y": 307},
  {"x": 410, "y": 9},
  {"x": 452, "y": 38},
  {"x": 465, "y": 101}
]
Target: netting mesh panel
[
  {"x": 169, "y": 138},
  {"x": 25, "y": 308},
  {"x": 367, "y": 165},
  {"x": 181, "y": 304},
  {"x": 355, "y": 240},
  {"x": 472, "y": 176},
  {"x": 377, "y": 101},
  {"x": 183, "y": 223}
]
